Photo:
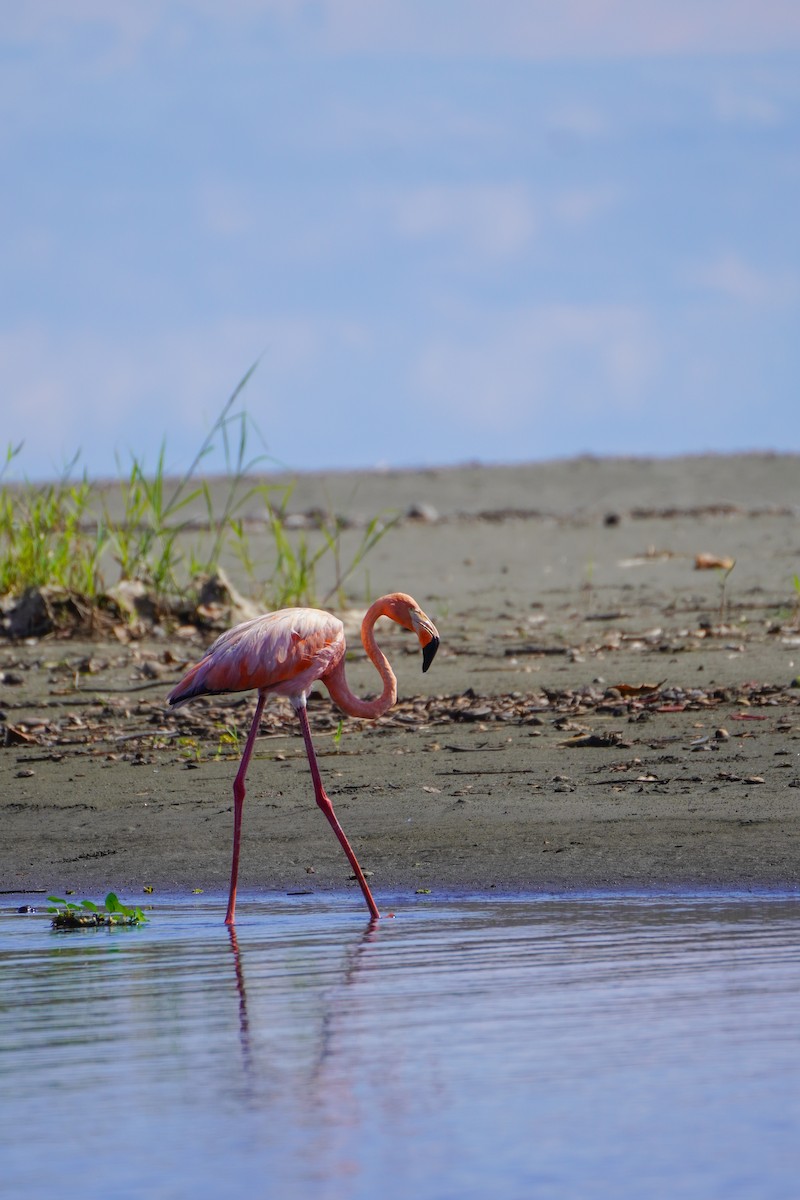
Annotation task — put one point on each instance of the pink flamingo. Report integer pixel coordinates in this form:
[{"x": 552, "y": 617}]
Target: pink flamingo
[{"x": 284, "y": 653}]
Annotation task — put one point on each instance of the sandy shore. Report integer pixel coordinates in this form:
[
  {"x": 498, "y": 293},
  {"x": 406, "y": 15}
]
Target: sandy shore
[{"x": 602, "y": 714}]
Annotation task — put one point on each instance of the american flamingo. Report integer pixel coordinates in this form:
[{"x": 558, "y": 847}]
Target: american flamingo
[{"x": 284, "y": 653}]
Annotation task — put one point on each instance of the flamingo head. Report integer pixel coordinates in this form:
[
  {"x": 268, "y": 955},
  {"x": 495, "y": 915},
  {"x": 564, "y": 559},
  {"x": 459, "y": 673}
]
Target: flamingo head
[{"x": 406, "y": 612}]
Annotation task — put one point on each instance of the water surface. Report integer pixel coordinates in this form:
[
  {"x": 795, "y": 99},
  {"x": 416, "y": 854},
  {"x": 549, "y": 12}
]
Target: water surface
[{"x": 546, "y": 1047}]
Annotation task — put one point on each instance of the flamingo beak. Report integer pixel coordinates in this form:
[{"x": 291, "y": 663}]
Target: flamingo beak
[
  {"x": 427, "y": 633},
  {"x": 429, "y": 653}
]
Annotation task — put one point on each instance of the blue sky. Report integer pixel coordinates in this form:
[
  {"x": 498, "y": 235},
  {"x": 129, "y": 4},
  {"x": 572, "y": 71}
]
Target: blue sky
[{"x": 501, "y": 231}]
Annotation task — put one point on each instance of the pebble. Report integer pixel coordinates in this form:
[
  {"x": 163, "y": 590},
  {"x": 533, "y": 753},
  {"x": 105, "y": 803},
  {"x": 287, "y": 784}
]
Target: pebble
[{"x": 422, "y": 512}]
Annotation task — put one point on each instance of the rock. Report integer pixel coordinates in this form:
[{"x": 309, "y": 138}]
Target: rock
[
  {"x": 30, "y": 616},
  {"x": 296, "y": 521},
  {"x": 133, "y": 598},
  {"x": 41, "y": 610},
  {"x": 219, "y": 605}
]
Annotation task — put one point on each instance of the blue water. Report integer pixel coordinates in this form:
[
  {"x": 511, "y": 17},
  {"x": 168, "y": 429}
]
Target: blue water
[{"x": 546, "y": 1047}]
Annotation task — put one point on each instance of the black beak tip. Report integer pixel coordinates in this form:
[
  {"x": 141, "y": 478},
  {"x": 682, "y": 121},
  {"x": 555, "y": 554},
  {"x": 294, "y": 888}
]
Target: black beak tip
[{"x": 429, "y": 653}]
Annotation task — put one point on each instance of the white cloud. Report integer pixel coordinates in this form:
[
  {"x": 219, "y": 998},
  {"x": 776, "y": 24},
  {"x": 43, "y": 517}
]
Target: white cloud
[
  {"x": 110, "y": 35},
  {"x": 226, "y": 209},
  {"x": 504, "y": 368},
  {"x": 494, "y": 221},
  {"x": 731, "y": 276},
  {"x": 579, "y": 122},
  {"x": 77, "y": 391},
  {"x": 523, "y": 29},
  {"x": 539, "y": 29},
  {"x": 746, "y": 108},
  {"x": 581, "y": 206}
]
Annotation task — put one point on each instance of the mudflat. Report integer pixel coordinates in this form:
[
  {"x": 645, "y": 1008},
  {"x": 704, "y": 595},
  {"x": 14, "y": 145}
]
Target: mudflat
[{"x": 614, "y": 706}]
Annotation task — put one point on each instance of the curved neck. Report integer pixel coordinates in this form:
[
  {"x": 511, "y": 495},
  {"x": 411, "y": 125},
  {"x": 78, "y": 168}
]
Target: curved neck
[{"x": 337, "y": 683}]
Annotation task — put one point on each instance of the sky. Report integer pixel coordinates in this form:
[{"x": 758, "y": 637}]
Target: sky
[{"x": 446, "y": 232}]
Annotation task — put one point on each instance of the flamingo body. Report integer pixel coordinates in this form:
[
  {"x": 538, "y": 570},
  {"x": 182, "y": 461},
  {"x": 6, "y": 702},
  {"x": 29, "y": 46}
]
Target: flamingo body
[{"x": 283, "y": 653}]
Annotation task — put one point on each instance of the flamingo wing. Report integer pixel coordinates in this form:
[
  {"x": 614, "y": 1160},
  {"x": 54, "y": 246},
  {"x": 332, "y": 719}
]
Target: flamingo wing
[{"x": 283, "y": 652}]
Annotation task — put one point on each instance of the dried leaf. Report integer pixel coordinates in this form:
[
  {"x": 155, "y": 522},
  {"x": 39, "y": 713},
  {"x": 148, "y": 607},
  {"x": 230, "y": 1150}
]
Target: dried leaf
[
  {"x": 13, "y": 736},
  {"x": 638, "y": 689},
  {"x": 711, "y": 562}
]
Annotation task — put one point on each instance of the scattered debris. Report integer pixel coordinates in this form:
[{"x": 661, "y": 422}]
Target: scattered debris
[
  {"x": 596, "y": 740},
  {"x": 126, "y": 725}
]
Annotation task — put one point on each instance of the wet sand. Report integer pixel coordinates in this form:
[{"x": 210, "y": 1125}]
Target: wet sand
[{"x": 601, "y": 714}]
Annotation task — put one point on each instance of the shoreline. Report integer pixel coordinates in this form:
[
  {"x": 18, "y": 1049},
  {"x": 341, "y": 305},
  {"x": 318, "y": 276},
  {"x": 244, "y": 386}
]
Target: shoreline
[{"x": 476, "y": 782}]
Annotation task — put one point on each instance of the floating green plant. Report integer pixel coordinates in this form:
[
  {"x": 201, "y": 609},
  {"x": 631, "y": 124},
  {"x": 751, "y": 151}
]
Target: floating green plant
[{"x": 88, "y": 915}]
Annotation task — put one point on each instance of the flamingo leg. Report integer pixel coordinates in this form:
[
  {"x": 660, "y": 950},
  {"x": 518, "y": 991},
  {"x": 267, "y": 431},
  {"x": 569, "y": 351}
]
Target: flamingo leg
[
  {"x": 238, "y": 803},
  {"x": 323, "y": 800}
]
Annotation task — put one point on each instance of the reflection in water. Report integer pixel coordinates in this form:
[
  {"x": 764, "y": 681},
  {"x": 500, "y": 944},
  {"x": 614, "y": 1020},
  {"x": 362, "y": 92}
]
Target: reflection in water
[
  {"x": 345, "y": 978},
  {"x": 555, "y": 1047},
  {"x": 244, "y": 1023}
]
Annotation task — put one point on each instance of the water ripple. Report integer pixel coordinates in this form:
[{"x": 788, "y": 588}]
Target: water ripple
[{"x": 581, "y": 1046}]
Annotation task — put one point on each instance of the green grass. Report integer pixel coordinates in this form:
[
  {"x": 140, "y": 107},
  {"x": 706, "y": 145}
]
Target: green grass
[
  {"x": 72, "y": 536},
  {"x": 43, "y": 539}
]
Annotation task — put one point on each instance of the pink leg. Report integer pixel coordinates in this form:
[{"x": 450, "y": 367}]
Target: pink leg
[
  {"x": 324, "y": 803},
  {"x": 238, "y": 802}
]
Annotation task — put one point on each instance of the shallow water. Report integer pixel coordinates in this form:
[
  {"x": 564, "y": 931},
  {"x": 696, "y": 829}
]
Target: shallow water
[{"x": 546, "y": 1047}]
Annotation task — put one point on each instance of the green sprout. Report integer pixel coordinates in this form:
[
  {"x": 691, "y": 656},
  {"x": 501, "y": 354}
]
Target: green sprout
[
  {"x": 228, "y": 742},
  {"x": 189, "y": 748},
  {"x": 724, "y": 575}
]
